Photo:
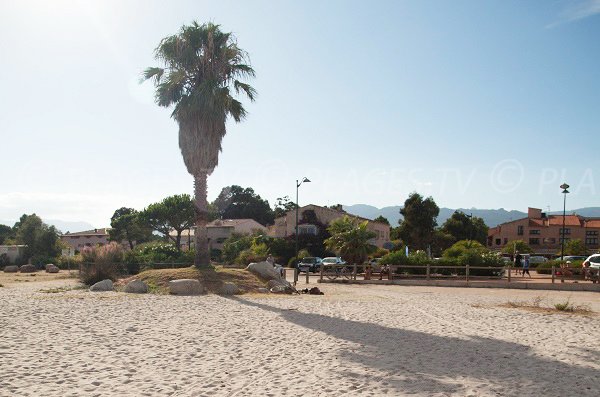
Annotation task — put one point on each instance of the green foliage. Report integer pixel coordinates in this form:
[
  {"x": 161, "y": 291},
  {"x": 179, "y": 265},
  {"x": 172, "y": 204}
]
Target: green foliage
[
  {"x": 350, "y": 239},
  {"x": 417, "y": 228},
  {"x": 379, "y": 253},
  {"x": 101, "y": 263},
  {"x": 283, "y": 206},
  {"x": 234, "y": 245},
  {"x": 6, "y": 232},
  {"x": 546, "y": 267},
  {"x": 464, "y": 247},
  {"x": 574, "y": 247},
  {"x": 294, "y": 260},
  {"x": 127, "y": 225},
  {"x": 172, "y": 213},
  {"x": 41, "y": 240},
  {"x": 382, "y": 219},
  {"x": 520, "y": 245},
  {"x": 464, "y": 227},
  {"x": 236, "y": 202}
]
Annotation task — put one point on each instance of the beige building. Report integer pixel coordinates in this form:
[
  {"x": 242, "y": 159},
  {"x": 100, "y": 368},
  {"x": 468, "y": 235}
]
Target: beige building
[
  {"x": 543, "y": 232},
  {"x": 13, "y": 252},
  {"x": 285, "y": 226},
  {"x": 219, "y": 231},
  {"x": 80, "y": 240}
]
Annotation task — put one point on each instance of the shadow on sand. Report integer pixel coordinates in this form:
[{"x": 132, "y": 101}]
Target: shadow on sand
[{"x": 430, "y": 364}]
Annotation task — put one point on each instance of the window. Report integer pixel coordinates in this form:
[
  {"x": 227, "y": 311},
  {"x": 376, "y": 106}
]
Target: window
[
  {"x": 498, "y": 241},
  {"x": 220, "y": 240},
  {"x": 534, "y": 241},
  {"x": 591, "y": 233},
  {"x": 567, "y": 231},
  {"x": 307, "y": 229},
  {"x": 505, "y": 240},
  {"x": 534, "y": 231},
  {"x": 591, "y": 241},
  {"x": 561, "y": 240},
  {"x": 520, "y": 230},
  {"x": 549, "y": 240}
]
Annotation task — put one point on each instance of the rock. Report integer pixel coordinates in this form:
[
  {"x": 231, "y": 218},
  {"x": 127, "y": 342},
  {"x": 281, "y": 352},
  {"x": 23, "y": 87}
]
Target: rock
[
  {"x": 27, "y": 269},
  {"x": 262, "y": 290},
  {"x": 185, "y": 287},
  {"x": 100, "y": 286},
  {"x": 230, "y": 289},
  {"x": 264, "y": 270},
  {"x": 281, "y": 287},
  {"x": 11, "y": 269},
  {"x": 136, "y": 287},
  {"x": 50, "y": 268}
]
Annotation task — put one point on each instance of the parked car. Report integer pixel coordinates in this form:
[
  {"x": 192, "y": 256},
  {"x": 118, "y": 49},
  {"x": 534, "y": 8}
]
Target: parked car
[
  {"x": 594, "y": 261},
  {"x": 574, "y": 258},
  {"x": 537, "y": 259},
  {"x": 333, "y": 260},
  {"x": 310, "y": 263}
]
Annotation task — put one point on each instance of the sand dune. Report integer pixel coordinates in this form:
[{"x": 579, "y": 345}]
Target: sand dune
[{"x": 355, "y": 340}]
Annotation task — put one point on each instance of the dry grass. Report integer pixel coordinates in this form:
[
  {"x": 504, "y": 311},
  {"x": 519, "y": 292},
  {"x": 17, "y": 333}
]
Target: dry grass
[
  {"x": 40, "y": 276},
  {"x": 212, "y": 279},
  {"x": 536, "y": 306}
]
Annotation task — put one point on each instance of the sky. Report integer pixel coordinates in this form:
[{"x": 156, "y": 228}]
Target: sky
[{"x": 485, "y": 104}]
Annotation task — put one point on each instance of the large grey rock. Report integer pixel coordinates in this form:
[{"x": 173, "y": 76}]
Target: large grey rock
[
  {"x": 27, "y": 269},
  {"x": 280, "y": 287},
  {"x": 185, "y": 287},
  {"x": 262, "y": 290},
  {"x": 230, "y": 289},
  {"x": 264, "y": 270},
  {"x": 50, "y": 268},
  {"x": 101, "y": 286},
  {"x": 136, "y": 287},
  {"x": 11, "y": 269}
]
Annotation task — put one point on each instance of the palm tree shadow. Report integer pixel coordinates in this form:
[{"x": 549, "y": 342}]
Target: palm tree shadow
[{"x": 432, "y": 364}]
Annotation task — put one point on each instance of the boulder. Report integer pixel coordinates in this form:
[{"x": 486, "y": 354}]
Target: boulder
[
  {"x": 50, "y": 268},
  {"x": 264, "y": 270},
  {"x": 230, "y": 289},
  {"x": 100, "y": 286},
  {"x": 281, "y": 287},
  {"x": 11, "y": 269},
  {"x": 136, "y": 287},
  {"x": 262, "y": 290},
  {"x": 185, "y": 287},
  {"x": 27, "y": 269}
]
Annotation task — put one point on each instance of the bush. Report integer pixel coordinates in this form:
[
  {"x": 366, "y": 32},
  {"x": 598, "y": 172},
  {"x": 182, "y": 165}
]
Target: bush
[
  {"x": 69, "y": 262},
  {"x": 101, "y": 263},
  {"x": 546, "y": 267}
]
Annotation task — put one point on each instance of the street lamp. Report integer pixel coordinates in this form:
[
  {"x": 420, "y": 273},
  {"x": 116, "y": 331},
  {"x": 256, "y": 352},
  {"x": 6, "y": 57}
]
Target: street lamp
[
  {"x": 305, "y": 179},
  {"x": 564, "y": 187}
]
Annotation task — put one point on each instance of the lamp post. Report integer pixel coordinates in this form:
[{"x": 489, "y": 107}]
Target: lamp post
[
  {"x": 305, "y": 179},
  {"x": 564, "y": 187}
]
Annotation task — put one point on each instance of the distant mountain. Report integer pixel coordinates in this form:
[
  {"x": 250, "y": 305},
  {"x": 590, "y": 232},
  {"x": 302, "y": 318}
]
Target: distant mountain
[
  {"x": 62, "y": 226},
  {"x": 490, "y": 217}
]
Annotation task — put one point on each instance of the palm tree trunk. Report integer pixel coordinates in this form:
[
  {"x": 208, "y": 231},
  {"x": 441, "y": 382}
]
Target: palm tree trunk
[{"x": 202, "y": 258}]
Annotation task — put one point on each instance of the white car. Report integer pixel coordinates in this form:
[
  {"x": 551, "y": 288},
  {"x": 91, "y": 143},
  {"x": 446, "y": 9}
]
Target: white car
[
  {"x": 593, "y": 261},
  {"x": 333, "y": 260},
  {"x": 537, "y": 259}
]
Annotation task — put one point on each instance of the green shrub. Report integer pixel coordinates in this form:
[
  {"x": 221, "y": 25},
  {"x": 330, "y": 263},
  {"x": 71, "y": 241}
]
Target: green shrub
[
  {"x": 69, "y": 262},
  {"x": 546, "y": 267}
]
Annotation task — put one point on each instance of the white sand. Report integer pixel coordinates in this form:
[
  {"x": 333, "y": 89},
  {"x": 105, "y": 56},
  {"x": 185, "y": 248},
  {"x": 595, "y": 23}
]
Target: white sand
[{"x": 356, "y": 340}]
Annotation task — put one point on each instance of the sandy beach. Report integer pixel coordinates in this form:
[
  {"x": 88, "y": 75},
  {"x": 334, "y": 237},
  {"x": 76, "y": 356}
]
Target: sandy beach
[{"x": 355, "y": 340}]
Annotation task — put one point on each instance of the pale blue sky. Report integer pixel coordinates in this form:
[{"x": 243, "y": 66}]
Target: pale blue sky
[{"x": 483, "y": 104}]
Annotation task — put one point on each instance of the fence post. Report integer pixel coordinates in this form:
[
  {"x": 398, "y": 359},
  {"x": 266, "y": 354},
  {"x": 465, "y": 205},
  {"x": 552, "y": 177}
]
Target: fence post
[
  {"x": 508, "y": 268},
  {"x": 354, "y": 270},
  {"x": 467, "y": 272},
  {"x": 307, "y": 277},
  {"x": 321, "y": 272},
  {"x": 295, "y": 276},
  {"x": 552, "y": 274},
  {"x": 428, "y": 270}
]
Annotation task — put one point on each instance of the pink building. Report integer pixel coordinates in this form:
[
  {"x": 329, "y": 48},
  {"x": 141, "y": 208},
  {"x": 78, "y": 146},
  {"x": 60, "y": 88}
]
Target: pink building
[
  {"x": 89, "y": 238},
  {"x": 543, "y": 232}
]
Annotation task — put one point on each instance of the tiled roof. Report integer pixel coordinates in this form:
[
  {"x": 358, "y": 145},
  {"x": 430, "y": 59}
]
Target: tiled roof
[
  {"x": 228, "y": 222},
  {"x": 95, "y": 232},
  {"x": 570, "y": 220},
  {"x": 592, "y": 223}
]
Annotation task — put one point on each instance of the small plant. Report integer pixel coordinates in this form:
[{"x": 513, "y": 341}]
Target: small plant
[
  {"x": 565, "y": 306},
  {"x": 100, "y": 263}
]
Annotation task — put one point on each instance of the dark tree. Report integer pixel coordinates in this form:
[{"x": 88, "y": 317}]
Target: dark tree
[
  {"x": 174, "y": 213},
  {"x": 417, "y": 227},
  {"x": 236, "y": 202},
  {"x": 382, "y": 219},
  {"x": 283, "y": 206},
  {"x": 127, "y": 225},
  {"x": 6, "y": 232},
  {"x": 464, "y": 227},
  {"x": 41, "y": 240}
]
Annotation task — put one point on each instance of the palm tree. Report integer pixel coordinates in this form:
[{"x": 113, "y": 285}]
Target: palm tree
[
  {"x": 350, "y": 239},
  {"x": 203, "y": 69}
]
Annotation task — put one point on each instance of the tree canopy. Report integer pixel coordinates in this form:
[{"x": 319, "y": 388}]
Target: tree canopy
[
  {"x": 236, "y": 202},
  {"x": 520, "y": 245},
  {"x": 41, "y": 240},
  {"x": 465, "y": 227},
  {"x": 127, "y": 225},
  {"x": 382, "y": 219},
  {"x": 174, "y": 213},
  {"x": 350, "y": 239},
  {"x": 417, "y": 227}
]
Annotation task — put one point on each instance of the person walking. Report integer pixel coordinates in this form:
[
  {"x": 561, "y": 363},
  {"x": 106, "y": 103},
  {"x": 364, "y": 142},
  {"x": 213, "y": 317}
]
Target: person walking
[
  {"x": 526, "y": 266},
  {"x": 518, "y": 264}
]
